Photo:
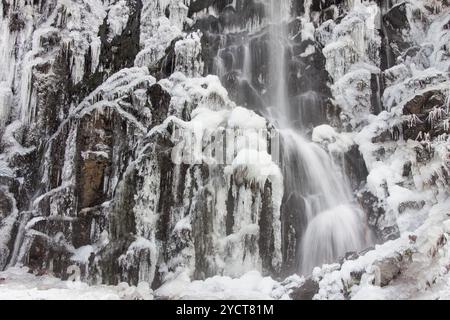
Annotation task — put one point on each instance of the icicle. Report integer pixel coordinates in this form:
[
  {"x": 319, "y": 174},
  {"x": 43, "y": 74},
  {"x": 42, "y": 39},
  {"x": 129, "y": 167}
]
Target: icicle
[
  {"x": 5, "y": 104},
  {"x": 435, "y": 115},
  {"x": 95, "y": 53},
  {"x": 27, "y": 106},
  {"x": 413, "y": 120},
  {"x": 188, "y": 55}
]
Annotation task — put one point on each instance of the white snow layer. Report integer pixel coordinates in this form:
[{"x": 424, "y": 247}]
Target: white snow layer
[{"x": 18, "y": 284}]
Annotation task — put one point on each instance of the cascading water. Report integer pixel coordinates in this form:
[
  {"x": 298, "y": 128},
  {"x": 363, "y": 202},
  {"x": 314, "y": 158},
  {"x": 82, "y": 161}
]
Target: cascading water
[
  {"x": 332, "y": 224},
  {"x": 278, "y": 12}
]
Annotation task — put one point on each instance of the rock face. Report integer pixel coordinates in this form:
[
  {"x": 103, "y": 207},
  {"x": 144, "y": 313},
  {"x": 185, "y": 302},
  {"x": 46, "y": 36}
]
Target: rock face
[
  {"x": 426, "y": 112},
  {"x": 307, "y": 291},
  {"x": 105, "y": 193},
  {"x": 97, "y": 98},
  {"x": 376, "y": 216}
]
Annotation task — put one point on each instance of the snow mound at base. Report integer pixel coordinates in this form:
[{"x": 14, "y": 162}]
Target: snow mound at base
[{"x": 18, "y": 284}]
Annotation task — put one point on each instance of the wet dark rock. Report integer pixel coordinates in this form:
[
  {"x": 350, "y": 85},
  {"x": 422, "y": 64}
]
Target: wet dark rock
[
  {"x": 306, "y": 291},
  {"x": 122, "y": 222},
  {"x": 384, "y": 136},
  {"x": 208, "y": 24},
  {"x": 432, "y": 9},
  {"x": 292, "y": 225},
  {"x": 108, "y": 262},
  {"x": 166, "y": 66},
  {"x": 160, "y": 102},
  {"x": 412, "y": 238},
  {"x": 356, "y": 276},
  {"x": 51, "y": 84},
  {"x": 116, "y": 54},
  {"x": 388, "y": 233},
  {"x": 411, "y": 52},
  {"x": 363, "y": 252},
  {"x": 423, "y": 154},
  {"x": 396, "y": 21},
  {"x": 266, "y": 239},
  {"x": 322, "y": 6},
  {"x": 396, "y": 17},
  {"x": 355, "y": 167},
  {"x": 199, "y": 5},
  {"x": 376, "y": 94},
  {"x": 5, "y": 205},
  {"x": 424, "y": 103},
  {"x": 413, "y": 132},
  {"x": 329, "y": 13},
  {"x": 351, "y": 256},
  {"x": 407, "y": 169},
  {"x": 93, "y": 163},
  {"x": 6, "y": 7},
  {"x": 122, "y": 50},
  {"x": 410, "y": 205},
  {"x": 48, "y": 254},
  {"x": 203, "y": 240},
  {"x": 380, "y": 153},
  {"x": 420, "y": 107},
  {"x": 134, "y": 265},
  {"x": 375, "y": 216},
  {"x": 16, "y": 22}
]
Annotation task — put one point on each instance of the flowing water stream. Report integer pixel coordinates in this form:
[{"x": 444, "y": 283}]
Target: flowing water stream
[{"x": 333, "y": 223}]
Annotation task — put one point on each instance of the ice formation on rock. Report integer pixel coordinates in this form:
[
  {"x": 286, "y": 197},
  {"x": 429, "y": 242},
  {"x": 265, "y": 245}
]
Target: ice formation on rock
[{"x": 201, "y": 148}]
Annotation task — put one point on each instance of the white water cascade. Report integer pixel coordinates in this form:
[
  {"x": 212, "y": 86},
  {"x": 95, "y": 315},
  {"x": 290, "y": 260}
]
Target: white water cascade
[
  {"x": 334, "y": 224},
  {"x": 277, "y": 15}
]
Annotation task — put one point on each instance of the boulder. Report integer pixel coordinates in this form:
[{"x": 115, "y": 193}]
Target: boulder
[
  {"x": 306, "y": 291},
  {"x": 389, "y": 268},
  {"x": 376, "y": 213},
  {"x": 355, "y": 167},
  {"x": 425, "y": 102},
  {"x": 410, "y": 205},
  {"x": 396, "y": 24}
]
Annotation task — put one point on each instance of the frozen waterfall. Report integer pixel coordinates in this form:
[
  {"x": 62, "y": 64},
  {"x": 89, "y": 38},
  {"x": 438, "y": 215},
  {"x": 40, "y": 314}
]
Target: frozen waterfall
[{"x": 335, "y": 225}]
